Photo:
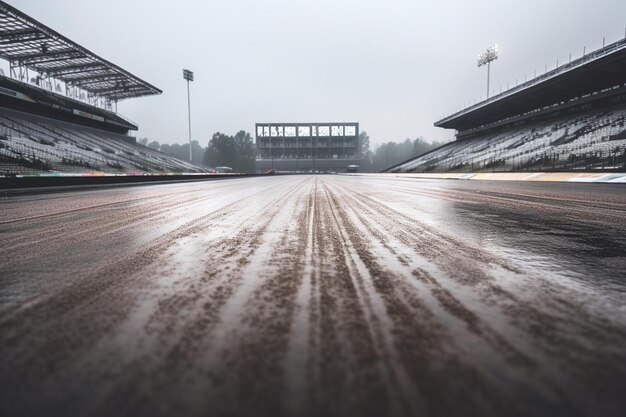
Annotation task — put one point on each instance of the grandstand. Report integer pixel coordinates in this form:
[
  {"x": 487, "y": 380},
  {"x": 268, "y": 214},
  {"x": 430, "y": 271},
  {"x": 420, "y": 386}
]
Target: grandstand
[
  {"x": 57, "y": 107},
  {"x": 307, "y": 147},
  {"x": 32, "y": 144},
  {"x": 568, "y": 119}
]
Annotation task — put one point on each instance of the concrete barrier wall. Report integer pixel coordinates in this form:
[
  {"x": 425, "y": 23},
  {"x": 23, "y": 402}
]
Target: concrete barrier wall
[{"x": 89, "y": 180}]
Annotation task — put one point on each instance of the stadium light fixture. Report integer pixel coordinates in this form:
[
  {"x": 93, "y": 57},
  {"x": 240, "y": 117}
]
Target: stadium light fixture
[
  {"x": 486, "y": 57},
  {"x": 188, "y": 75}
]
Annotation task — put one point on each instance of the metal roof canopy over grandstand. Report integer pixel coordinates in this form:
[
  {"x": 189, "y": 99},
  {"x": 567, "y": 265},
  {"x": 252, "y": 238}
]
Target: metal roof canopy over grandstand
[
  {"x": 25, "y": 42},
  {"x": 596, "y": 71}
]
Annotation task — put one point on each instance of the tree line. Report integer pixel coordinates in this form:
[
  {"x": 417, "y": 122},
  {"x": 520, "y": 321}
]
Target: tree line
[
  {"x": 239, "y": 153},
  {"x": 236, "y": 152},
  {"x": 391, "y": 153}
]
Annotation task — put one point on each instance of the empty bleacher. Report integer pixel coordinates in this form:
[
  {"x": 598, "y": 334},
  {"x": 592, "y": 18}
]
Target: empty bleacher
[
  {"x": 34, "y": 144},
  {"x": 594, "y": 141}
]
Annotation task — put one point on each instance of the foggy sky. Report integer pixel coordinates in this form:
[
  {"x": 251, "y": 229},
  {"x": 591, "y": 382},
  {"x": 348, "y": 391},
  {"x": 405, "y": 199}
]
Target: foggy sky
[{"x": 395, "y": 66}]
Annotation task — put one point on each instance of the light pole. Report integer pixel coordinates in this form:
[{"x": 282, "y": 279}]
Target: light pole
[
  {"x": 188, "y": 75},
  {"x": 485, "y": 58}
]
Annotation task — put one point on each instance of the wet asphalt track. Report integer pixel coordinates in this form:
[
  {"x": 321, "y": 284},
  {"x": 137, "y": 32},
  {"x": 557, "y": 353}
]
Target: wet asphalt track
[{"x": 315, "y": 296}]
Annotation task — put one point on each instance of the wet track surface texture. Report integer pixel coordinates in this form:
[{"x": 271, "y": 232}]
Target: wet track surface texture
[{"x": 315, "y": 296}]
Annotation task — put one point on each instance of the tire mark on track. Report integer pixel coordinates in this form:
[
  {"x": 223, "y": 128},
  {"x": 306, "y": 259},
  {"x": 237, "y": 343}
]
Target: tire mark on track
[
  {"x": 376, "y": 225},
  {"x": 365, "y": 272},
  {"x": 587, "y": 211},
  {"x": 550, "y": 328},
  {"x": 258, "y": 335},
  {"x": 298, "y": 360},
  {"x": 419, "y": 359},
  {"x": 319, "y": 286},
  {"x": 75, "y": 199},
  {"x": 72, "y": 307},
  {"x": 62, "y": 235}
]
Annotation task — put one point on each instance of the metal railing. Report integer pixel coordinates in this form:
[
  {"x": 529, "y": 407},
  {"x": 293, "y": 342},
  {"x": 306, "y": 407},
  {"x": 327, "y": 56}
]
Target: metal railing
[{"x": 606, "y": 50}]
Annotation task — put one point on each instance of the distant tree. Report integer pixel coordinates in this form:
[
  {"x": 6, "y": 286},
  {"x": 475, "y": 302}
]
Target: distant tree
[
  {"x": 237, "y": 151},
  {"x": 182, "y": 151},
  {"x": 365, "y": 165},
  {"x": 197, "y": 152},
  {"x": 420, "y": 146},
  {"x": 166, "y": 148},
  {"x": 246, "y": 152},
  {"x": 175, "y": 149},
  {"x": 391, "y": 153},
  {"x": 221, "y": 151},
  {"x": 178, "y": 150}
]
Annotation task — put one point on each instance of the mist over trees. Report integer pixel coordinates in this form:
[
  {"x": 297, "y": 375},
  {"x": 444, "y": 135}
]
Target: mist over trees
[
  {"x": 177, "y": 150},
  {"x": 239, "y": 152},
  {"x": 367, "y": 156},
  {"x": 391, "y": 153}
]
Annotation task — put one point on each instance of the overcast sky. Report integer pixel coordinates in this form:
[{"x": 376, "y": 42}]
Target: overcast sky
[{"x": 395, "y": 66}]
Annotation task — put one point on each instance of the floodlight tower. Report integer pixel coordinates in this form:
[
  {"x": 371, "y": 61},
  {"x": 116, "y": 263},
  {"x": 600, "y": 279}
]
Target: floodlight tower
[
  {"x": 485, "y": 58},
  {"x": 188, "y": 75}
]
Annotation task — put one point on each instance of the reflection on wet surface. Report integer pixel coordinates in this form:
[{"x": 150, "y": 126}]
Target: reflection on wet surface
[
  {"x": 587, "y": 251},
  {"x": 315, "y": 295}
]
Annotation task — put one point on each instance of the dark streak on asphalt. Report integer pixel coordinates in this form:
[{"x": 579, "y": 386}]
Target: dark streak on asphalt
[{"x": 315, "y": 296}]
